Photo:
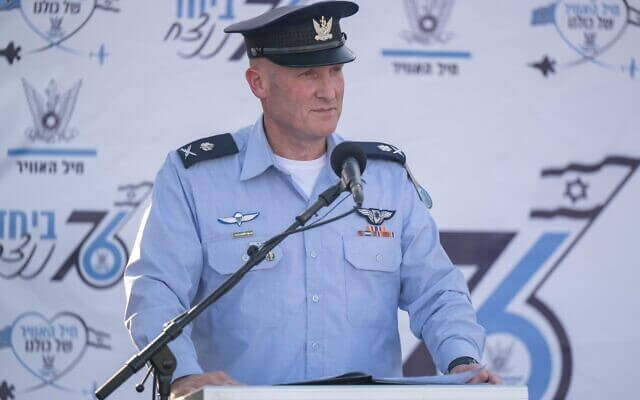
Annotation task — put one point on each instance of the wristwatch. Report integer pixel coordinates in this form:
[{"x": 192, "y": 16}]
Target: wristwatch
[{"x": 461, "y": 361}]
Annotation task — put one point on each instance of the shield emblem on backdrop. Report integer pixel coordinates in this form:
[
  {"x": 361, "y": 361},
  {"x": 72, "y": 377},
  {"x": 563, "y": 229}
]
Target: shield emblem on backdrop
[
  {"x": 57, "y": 21},
  {"x": 591, "y": 27},
  {"x": 49, "y": 348}
]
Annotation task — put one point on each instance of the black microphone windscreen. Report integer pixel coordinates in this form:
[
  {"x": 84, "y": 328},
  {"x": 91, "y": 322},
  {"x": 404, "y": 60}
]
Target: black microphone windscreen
[{"x": 345, "y": 150}]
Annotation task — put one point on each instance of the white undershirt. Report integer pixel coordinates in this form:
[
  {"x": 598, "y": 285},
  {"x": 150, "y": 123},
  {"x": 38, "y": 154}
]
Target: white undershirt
[{"x": 304, "y": 173}]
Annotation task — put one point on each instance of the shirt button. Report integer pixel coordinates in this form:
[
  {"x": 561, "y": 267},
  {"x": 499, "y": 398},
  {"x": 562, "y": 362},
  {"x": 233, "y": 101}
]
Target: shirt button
[
  {"x": 379, "y": 258},
  {"x": 313, "y": 254},
  {"x": 315, "y": 346},
  {"x": 315, "y": 298}
]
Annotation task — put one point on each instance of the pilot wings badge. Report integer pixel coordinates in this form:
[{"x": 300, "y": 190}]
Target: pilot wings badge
[
  {"x": 376, "y": 216},
  {"x": 238, "y": 218},
  {"x": 323, "y": 29}
]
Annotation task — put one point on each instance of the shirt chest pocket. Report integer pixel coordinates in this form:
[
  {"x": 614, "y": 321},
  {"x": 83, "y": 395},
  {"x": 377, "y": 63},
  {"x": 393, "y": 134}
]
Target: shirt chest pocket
[
  {"x": 256, "y": 300},
  {"x": 372, "y": 279}
]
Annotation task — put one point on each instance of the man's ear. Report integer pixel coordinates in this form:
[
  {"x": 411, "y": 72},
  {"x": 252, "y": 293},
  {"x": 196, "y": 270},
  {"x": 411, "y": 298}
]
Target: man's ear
[{"x": 257, "y": 80}]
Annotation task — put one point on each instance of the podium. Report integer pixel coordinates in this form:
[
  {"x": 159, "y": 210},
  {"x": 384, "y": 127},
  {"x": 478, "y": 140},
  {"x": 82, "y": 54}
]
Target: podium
[{"x": 360, "y": 392}]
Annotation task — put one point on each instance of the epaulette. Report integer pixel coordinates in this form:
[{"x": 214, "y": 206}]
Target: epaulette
[
  {"x": 207, "y": 149},
  {"x": 384, "y": 151}
]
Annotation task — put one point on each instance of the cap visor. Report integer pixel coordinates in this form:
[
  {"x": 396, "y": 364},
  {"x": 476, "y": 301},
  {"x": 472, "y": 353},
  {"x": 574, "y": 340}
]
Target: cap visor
[{"x": 338, "y": 55}]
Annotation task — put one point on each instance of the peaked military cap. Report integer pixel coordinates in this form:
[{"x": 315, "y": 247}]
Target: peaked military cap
[{"x": 299, "y": 36}]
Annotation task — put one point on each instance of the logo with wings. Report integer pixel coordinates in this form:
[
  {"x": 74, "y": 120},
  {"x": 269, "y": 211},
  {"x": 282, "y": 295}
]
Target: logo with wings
[
  {"x": 427, "y": 20},
  {"x": 323, "y": 29},
  {"x": 54, "y": 25},
  {"x": 51, "y": 113},
  {"x": 376, "y": 216},
  {"x": 589, "y": 28},
  {"x": 238, "y": 218}
]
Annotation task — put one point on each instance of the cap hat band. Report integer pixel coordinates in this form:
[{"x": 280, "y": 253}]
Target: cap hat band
[{"x": 265, "y": 51}]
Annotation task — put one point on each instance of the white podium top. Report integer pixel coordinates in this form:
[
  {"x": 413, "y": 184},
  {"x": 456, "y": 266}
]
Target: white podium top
[{"x": 360, "y": 392}]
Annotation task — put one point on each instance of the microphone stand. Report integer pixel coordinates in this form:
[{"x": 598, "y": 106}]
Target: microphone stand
[{"x": 157, "y": 352}]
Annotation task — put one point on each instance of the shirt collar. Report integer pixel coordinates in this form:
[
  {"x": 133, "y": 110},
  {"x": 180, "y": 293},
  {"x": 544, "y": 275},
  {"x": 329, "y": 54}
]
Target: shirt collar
[{"x": 259, "y": 155}]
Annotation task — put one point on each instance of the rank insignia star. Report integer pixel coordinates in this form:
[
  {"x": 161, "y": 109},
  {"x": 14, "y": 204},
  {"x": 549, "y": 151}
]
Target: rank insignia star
[
  {"x": 376, "y": 216},
  {"x": 376, "y": 231},
  {"x": 390, "y": 149},
  {"x": 187, "y": 152},
  {"x": 238, "y": 218}
]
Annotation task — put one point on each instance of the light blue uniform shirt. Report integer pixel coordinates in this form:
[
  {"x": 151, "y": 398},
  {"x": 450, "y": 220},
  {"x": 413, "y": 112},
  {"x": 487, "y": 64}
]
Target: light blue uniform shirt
[{"x": 325, "y": 304}]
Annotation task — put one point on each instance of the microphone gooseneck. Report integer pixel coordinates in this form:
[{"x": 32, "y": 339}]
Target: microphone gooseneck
[{"x": 348, "y": 161}]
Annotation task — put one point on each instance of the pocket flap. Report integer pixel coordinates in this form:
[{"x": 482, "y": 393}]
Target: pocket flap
[
  {"x": 373, "y": 254},
  {"x": 226, "y": 256}
]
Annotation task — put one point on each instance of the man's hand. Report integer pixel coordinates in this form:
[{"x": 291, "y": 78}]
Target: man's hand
[
  {"x": 483, "y": 375},
  {"x": 187, "y": 384}
]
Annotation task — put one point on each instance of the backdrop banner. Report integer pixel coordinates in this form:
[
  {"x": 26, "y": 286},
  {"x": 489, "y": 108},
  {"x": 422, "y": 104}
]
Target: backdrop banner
[{"x": 517, "y": 117}]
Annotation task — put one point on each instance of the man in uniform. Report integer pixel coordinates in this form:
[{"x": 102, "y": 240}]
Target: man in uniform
[{"x": 325, "y": 301}]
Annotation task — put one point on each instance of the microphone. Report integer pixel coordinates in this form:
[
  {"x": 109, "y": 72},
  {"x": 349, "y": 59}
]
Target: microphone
[{"x": 348, "y": 161}]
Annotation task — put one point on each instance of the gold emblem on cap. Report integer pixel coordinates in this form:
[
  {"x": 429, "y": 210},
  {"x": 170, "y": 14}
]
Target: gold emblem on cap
[{"x": 323, "y": 29}]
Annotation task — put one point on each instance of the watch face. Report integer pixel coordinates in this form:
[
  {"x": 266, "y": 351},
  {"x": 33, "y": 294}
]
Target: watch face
[{"x": 462, "y": 361}]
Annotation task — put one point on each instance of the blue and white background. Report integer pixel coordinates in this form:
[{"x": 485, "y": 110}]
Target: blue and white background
[{"x": 519, "y": 117}]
